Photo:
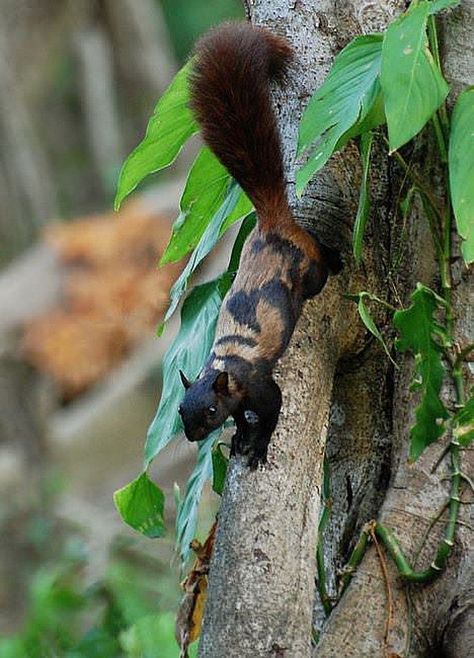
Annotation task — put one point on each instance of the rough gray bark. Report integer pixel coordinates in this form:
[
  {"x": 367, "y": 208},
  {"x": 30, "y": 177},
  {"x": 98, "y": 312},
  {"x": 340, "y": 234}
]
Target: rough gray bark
[
  {"x": 262, "y": 575},
  {"x": 441, "y": 615},
  {"x": 339, "y": 395},
  {"x": 415, "y": 497}
]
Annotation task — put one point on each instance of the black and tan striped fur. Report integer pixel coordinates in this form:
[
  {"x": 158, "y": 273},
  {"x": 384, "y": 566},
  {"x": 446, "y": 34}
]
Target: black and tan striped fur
[{"x": 281, "y": 264}]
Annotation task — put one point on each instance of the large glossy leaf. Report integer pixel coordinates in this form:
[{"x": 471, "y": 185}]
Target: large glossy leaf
[
  {"x": 170, "y": 126},
  {"x": 206, "y": 187},
  {"x": 412, "y": 84},
  {"x": 461, "y": 170},
  {"x": 418, "y": 329},
  {"x": 347, "y": 104},
  {"x": 141, "y": 505},
  {"x": 186, "y": 520},
  {"x": 363, "y": 209},
  {"x": 188, "y": 352},
  {"x": 206, "y": 243}
]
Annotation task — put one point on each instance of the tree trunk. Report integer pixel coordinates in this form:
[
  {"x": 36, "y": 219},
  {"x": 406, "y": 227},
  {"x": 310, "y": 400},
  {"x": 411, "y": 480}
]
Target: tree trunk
[{"x": 340, "y": 396}]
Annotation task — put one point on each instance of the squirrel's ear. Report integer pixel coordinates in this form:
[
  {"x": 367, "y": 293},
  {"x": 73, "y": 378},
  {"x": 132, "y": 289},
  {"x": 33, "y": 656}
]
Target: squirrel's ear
[
  {"x": 221, "y": 384},
  {"x": 185, "y": 381}
]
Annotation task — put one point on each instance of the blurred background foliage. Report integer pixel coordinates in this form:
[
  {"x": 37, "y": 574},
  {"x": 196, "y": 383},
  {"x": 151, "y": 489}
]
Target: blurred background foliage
[
  {"x": 79, "y": 80},
  {"x": 187, "y": 19}
]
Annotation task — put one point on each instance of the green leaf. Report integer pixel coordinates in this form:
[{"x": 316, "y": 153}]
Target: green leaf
[
  {"x": 418, "y": 328},
  {"x": 246, "y": 228},
  {"x": 219, "y": 468},
  {"x": 407, "y": 202},
  {"x": 347, "y": 104},
  {"x": 367, "y": 319},
  {"x": 151, "y": 636},
  {"x": 141, "y": 505},
  {"x": 96, "y": 643},
  {"x": 325, "y": 498},
  {"x": 463, "y": 423},
  {"x": 243, "y": 208},
  {"x": 170, "y": 126},
  {"x": 461, "y": 170},
  {"x": 187, "y": 518},
  {"x": 177, "y": 495},
  {"x": 412, "y": 85},
  {"x": 188, "y": 352},
  {"x": 206, "y": 243},
  {"x": 205, "y": 191},
  {"x": 439, "y": 5},
  {"x": 363, "y": 210}
]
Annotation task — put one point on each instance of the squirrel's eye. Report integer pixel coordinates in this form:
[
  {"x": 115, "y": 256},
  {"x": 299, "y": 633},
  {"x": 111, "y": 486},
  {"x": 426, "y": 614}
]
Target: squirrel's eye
[{"x": 212, "y": 409}]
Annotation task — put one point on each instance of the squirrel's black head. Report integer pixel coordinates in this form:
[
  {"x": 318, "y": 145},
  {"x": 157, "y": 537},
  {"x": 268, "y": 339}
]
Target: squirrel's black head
[{"x": 206, "y": 405}]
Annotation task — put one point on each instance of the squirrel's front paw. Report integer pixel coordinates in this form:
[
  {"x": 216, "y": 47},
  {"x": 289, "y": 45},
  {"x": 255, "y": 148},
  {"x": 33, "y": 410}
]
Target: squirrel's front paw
[
  {"x": 238, "y": 444},
  {"x": 257, "y": 454}
]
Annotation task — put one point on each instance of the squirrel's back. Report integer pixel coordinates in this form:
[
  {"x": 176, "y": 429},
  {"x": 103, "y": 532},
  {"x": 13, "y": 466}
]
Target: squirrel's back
[{"x": 230, "y": 95}]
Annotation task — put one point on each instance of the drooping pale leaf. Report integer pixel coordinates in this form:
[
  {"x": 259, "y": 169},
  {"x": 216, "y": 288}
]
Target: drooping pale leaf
[
  {"x": 191, "y": 347},
  {"x": 418, "y": 328},
  {"x": 186, "y": 520},
  {"x": 198, "y": 318},
  {"x": 188, "y": 353},
  {"x": 205, "y": 245},
  {"x": 141, "y": 505},
  {"x": 347, "y": 104},
  {"x": 367, "y": 319},
  {"x": 177, "y": 495},
  {"x": 205, "y": 191},
  {"x": 363, "y": 210},
  {"x": 463, "y": 423},
  {"x": 219, "y": 468},
  {"x": 461, "y": 170},
  {"x": 170, "y": 126},
  {"x": 412, "y": 85}
]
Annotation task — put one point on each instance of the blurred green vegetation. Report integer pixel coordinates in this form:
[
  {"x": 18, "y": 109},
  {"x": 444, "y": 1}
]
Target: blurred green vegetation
[
  {"x": 188, "y": 19},
  {"x": 129, "y": 612}
]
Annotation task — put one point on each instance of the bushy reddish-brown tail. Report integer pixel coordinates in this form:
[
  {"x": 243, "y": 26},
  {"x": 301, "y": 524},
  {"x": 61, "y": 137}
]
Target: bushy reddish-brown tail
[{"x": 230, "y": 96}]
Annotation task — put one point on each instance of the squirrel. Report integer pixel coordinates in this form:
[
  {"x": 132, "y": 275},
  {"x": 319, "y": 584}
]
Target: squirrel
[{"x": 281, "y": 264}]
